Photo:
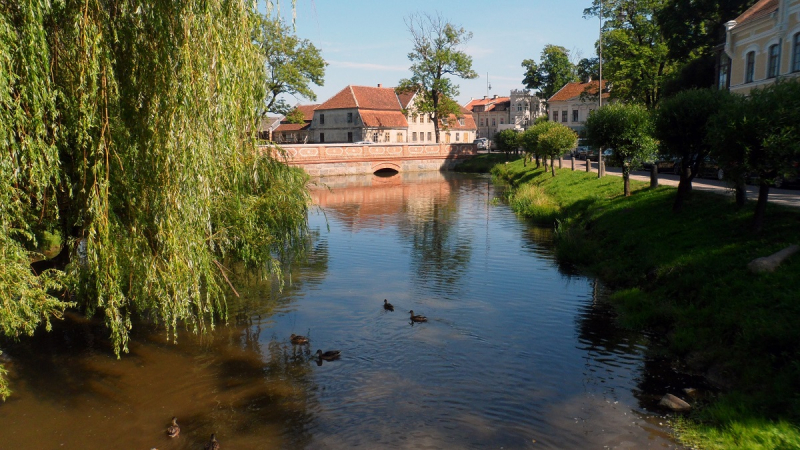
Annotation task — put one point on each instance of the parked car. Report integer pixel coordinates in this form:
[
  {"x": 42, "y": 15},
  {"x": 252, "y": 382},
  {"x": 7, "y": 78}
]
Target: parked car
[
  {"x": 481, "y": 143},
  {"x": 580, "y": 152},
  {"x": 364, "y": 143},
  {"x": 663, "y": 163},
  {"x": 708, "y": 169}
]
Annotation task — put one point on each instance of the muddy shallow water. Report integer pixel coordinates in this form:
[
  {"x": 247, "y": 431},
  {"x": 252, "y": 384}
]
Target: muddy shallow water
[{"x": 517, "y": 352}]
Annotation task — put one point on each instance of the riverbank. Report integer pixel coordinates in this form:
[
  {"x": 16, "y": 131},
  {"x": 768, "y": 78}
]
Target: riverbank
[{"x": 685, "y": 277}]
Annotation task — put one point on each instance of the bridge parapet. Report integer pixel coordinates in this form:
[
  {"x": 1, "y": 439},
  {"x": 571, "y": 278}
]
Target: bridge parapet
[{"x": 341, "y": 159}]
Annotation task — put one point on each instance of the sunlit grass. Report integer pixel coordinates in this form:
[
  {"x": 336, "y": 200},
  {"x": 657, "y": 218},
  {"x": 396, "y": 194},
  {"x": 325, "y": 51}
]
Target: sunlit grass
[{"x": 685, "y": 275}]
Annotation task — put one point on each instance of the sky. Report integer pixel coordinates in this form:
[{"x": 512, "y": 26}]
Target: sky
[{"x": 366, "y": 42}]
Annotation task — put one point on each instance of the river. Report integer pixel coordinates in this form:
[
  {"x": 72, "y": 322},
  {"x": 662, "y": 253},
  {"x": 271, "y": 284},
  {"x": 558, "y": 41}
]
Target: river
[{"x": 517, "y": 352}]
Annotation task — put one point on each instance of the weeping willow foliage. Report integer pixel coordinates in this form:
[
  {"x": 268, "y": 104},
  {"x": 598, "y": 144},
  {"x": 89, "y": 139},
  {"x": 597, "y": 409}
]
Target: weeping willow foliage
[{"x": 128, "y": 127}]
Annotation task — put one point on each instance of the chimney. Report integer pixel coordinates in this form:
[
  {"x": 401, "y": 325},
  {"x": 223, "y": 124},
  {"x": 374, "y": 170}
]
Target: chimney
[
  {"x": 494, "y": 96},
  {"x": 485, "y": 97},
  {"x": 380, "y": 85}
]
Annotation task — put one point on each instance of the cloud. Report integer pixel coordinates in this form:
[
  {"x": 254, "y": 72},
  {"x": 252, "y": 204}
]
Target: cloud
[{"x": 367, "y": 66}]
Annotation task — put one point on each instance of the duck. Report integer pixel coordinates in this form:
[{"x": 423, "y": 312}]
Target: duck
[
  {"x": 419, "y": 318},
  {"x": 299, "y": 340},
  {"x": 174, "y": 430},
  {"x": 387, "y": 306},
  {"x": 213, "y": 444},
  {"x": 330, "y": 355}
]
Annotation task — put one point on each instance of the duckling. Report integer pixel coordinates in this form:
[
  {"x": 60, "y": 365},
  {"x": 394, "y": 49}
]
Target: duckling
[
  {"x": 419, "y": 318},
  {"x": 387, "y": 306},
  {"x": 330, "y": 355},
  {"x": 174, "y": 430},
  {"x": 299, "y": 340},
  {"x": 213, "y": 444}
]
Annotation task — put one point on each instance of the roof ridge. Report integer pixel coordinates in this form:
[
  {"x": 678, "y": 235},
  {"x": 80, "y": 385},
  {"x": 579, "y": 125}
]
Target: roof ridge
[{"x": 354, "y": 94}]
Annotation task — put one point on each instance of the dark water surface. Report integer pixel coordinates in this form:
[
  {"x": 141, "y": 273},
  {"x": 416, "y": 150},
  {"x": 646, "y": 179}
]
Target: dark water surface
[{"x": 516, "y": 353}]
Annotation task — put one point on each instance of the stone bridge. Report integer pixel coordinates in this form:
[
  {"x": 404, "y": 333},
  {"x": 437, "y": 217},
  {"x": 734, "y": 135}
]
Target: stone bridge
[{"x": 351, "y": 159}]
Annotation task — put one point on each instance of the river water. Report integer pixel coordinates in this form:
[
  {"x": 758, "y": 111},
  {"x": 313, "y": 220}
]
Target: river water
[{"x": 517, "y": 352}]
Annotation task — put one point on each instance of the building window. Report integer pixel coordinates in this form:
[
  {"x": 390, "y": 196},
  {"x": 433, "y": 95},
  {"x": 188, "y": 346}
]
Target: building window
[
  {"x": 555, "y": 116},
  {"x": 322, "y": 137},
  {"x": 349, "y": 135},
  {"x": 461, "y": 121},
  {"x": 399, "y": 137},
  {"x": 429, "y": 136},
  {"x": 322, "y": 119},
  {"x": 388, "y": 137},
  {"x": 458, "y": 137},
  {"x": 494, "y": 122},
  {"x": 574, "y": 115},
  {"x": 481, "y": 121},
  {"x": 349, "y": 117},
  {"x": 414, "y": 137},
  {"x": 774, "y": 61},
  {"x": 519, "y": 106},
  {"x": 796, "y": 63},
  {"x": 724, "y": 65},
  {"x": 501, "y": 120},
  {"x": 750, "y": 67},
  {"x": 414, "y": 118},
  {"x": 375, "y": 137},
  {"x": 564, "y": 115}
]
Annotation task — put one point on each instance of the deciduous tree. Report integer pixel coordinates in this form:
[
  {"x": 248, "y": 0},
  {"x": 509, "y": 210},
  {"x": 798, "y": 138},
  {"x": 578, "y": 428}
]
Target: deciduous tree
[
  {"x": 627, "y": 130},
  {"x": 436, "y": 56},
  {"x": 552, "y": 73},
  {"x": 292, "y": 64},
  {"x": 556, "y": 140}
]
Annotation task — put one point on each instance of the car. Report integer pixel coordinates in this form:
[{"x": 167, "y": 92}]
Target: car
[
  {"x": 663, "y": 163},
  {"x": 708, "y": 169},
  {"x": 364, "y": 143},
  {"x": 481, "y": 143},
  {"x": 580, "y": 152}
]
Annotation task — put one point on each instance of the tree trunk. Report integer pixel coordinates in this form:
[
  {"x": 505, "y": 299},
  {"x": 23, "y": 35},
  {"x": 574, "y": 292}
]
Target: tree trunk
[
  {"x": 684, "y": 189},
  {"x": 552, "y": 166},
  {"x": 559, "y": 162},
  {"x": 654, "y": 176},
  {"x": 537, "y": 160},
  {"x": 544, "y": 163},
  {"x": 626, "y": 178},
  {"x": 761, "y": 207},
  {"x": 572, "y": 162},
  {"x": 741, "y": 194}
]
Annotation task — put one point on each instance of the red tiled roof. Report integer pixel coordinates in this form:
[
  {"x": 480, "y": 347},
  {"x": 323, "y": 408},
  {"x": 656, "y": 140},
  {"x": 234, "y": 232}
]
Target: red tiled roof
[
  {"x": 405, "y": 98},
  {"x": 308, "y": 115},
  {"x": 760, "y": 9},
  {"x": 574, "y": 90},
  {"x": 363, "y": 97},
  {"x": 489, "y": 103},
  {"x": 383, "y": 119},
  {"x": 466, "y": 116}
]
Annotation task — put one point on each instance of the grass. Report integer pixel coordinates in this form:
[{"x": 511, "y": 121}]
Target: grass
[{"x": 684, "y": 276}]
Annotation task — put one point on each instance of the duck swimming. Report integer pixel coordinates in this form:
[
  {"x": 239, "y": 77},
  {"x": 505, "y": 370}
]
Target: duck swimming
[
  {"x": 330, "y": 355},
  {"x": 213, "y": 444},
  {"x": 418, "y": 318},
  {"x": 174, "y": 430},
  {"x": 387, "y": 306},
  {"x": 299, "y": 340}
]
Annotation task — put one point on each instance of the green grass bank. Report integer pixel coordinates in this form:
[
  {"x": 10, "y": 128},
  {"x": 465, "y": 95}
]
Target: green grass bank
[{"x": 684, "y": 276}]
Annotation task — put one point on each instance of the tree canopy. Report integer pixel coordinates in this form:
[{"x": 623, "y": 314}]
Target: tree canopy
[
  {"x": 552, "y": 73},
  {"x": 625, "y": 128},
  {"x": 436, "y": 56},
  {"x": 635, "y": 54},
  {"x": 292, "y": 64},
  {"x": 129, "y": 131}
]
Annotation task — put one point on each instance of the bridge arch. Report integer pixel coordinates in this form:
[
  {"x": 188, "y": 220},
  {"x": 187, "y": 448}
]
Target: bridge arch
[{"x": 386, "y": 167}]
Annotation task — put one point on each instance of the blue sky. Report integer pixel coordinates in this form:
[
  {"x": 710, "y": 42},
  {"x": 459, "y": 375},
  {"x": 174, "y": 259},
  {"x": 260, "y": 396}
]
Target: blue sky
[{"x": 366, "y": 42}]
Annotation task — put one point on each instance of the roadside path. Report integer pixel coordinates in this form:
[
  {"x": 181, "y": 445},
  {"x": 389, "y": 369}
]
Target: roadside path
[{"x": 786, "y": 197}]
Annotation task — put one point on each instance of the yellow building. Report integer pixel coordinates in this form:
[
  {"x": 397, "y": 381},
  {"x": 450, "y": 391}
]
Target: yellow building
[{"x": 761, "y": 46}]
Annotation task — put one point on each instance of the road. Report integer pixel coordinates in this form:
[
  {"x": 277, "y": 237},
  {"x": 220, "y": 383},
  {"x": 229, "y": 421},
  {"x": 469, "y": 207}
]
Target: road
[{"x": 787, "y": 197}]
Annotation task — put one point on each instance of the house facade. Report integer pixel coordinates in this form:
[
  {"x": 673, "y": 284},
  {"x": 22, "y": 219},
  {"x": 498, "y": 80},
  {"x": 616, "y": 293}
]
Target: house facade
[
  {"x": 493, "y": 114},
  {"x": 572, "y": 103},
  {"x": 761, "y": 47},
  {"x": 379, "y": 115}
]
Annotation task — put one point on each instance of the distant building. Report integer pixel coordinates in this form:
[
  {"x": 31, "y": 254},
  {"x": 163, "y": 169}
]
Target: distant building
[
  {"x": 267, "y": 125},
  {"x": 761, "y": 46},
  {"x": 493, "y": 114},
  {"x": 295, "y": 133},
  {"x": 572, "y": 103},
  {"x": 378, "y": 114}
]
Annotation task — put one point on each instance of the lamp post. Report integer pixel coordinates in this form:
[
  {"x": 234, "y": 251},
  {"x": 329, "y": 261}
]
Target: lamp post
[{"x": 600, "y": 88}]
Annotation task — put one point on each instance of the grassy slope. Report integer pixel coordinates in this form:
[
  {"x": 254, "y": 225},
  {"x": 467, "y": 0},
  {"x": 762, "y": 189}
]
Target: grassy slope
[{"x": 685, "y": 275}]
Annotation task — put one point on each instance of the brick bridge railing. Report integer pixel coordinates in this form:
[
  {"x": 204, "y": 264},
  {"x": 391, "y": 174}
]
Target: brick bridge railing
[{"x": 343, "y": 159}]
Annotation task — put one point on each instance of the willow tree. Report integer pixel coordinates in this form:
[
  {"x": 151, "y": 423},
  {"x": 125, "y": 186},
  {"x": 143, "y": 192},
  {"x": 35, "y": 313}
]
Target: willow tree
[
  {"x": 435, "y": 57},
  {"x": 129, "y": 131}
]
